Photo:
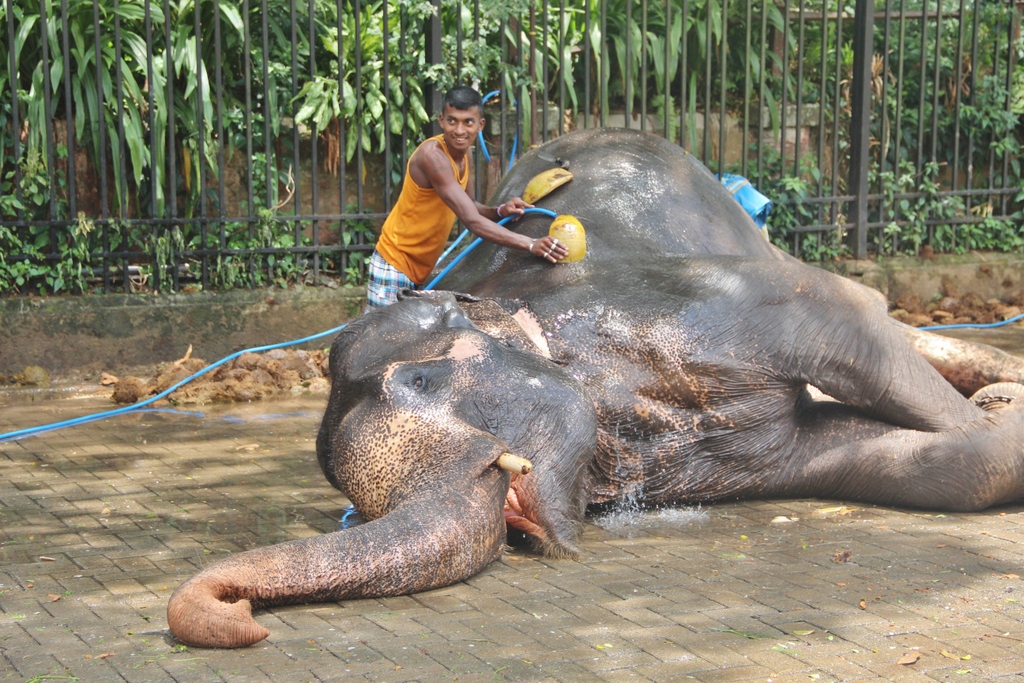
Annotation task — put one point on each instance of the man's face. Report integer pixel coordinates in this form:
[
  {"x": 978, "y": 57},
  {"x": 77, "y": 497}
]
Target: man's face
[{"x": 460, "y": 126}]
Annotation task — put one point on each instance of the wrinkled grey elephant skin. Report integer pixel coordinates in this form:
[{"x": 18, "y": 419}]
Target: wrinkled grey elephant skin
[{"x": 683, "y": 360}]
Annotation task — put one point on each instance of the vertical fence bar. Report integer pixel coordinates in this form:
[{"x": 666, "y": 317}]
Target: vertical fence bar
[
  {"x": 458, "y": 40},
  {"x": 219, "y": 114},
  {"x": 268, "y": 157},
  {"x": 44, "y": 27},
  {"x": 822, "y": 103},
  {"x": 249, "y": 197},
  {"x": 295, "y": 169},
  {"x": 202, "y": 89},
  {"x": 921, "y": 99},
  {"x": 357, "y": 45},
  {"x": 723, "y": 77},
  {"x": 314, "y": 144},
  {"x": 627, "y": 76},
  {"x": 836, "y": 99},
  {"x": 172, "y": 150},
  {"x": 883, "y": 209},
  {"x": 478, "y": 149},
  {"x": 101, "y": 133},
  {"x": 605, "y": 66},
  {"x": 433, "y": 56},
  {"x": 531, "y": 70},
  {"x": 684, "y": 89},
  {"x": 898, "y": 117},
  {"x": 386, "y": 35},
  {"x": 884, "y": 127},
  {"x": 15, "y": 109},
  {"x": 1011, "y": 67},
  {"x": 342, "y": 137},
  {"x": 666, "y": 86},
  {"x": 544, "y": 72},
  {"x": 746, "y": 89},
  {"x": 936, "y": 85},
  {"x": 762, "y": 109},
  {"x": 783, "y": 101},
  {"x": 705, "y": 152},
  {"x": 995, "y": 77},
  {"x": 799, "y": 95},
  {"x": 154, "y": 175},
  {"x": 643, "y": 65},
  {"x": 587, "y": 108},
  {"x": 122, "y": 183},
  {"x": 563, "y": 67},
  {"x": 69, "y": 115},
  {"x": 973, "y": 96},
  {"x": 958, "y": 70},
  {"x": 860, "y": 133}
]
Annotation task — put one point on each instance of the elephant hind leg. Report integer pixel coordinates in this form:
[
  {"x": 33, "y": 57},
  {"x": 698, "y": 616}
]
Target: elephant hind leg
[
  {"x": 971, "y": 467},
  {"x": 966, "y": 365}
]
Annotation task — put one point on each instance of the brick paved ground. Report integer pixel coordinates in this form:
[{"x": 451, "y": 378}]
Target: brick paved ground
[{"x": 99, "y": 523}]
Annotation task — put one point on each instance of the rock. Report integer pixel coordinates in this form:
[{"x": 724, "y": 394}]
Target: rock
[
  {"x": 130, "y": 390},
  {"x": 32, "y": 376},
  {"x": 909, "y": 302}
]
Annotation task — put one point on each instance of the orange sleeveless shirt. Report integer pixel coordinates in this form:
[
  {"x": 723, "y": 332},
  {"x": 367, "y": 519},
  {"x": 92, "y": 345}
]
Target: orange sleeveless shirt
[{"x": 418, "y": 226}]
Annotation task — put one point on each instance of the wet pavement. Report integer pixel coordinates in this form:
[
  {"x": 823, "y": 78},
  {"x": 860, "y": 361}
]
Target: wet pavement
[{"x": 100, "y": 522}]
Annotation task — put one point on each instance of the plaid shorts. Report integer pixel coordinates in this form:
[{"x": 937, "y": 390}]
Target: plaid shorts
[{"x": 385, "y": 282}]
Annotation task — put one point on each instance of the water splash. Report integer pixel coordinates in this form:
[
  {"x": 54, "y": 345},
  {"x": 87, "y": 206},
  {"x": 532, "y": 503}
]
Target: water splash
[{"x": 632, "y": 514}]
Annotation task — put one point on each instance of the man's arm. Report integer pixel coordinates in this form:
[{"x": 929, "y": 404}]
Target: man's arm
[{"x": 434, "y": 164}]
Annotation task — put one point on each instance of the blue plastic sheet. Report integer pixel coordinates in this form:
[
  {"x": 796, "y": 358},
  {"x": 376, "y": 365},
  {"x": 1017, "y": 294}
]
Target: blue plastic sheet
[{"x": 753, "y": 202}]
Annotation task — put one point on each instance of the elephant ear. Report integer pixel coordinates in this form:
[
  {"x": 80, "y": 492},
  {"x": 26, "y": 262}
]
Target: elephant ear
[{"x": 403, "y": 331}]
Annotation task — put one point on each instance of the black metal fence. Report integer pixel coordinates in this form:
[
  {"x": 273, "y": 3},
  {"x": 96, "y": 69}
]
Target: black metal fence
[{"x": 223, "y": 143}]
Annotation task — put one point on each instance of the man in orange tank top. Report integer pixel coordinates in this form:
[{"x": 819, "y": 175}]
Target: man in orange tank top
[{"x": 436, "y": 192}]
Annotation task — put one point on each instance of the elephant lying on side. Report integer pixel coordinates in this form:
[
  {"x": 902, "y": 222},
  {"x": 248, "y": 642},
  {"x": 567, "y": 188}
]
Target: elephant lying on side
[{"x": 683, "y": 360}]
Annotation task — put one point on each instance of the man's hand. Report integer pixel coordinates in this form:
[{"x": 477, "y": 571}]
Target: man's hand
[
  {"x": 549, "y": 248},
  {"x": 513, "y": 207}
]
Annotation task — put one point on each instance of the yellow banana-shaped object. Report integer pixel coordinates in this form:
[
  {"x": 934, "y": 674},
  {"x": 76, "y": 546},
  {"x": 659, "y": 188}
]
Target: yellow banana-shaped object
[
  {"x": 569, "y": 231},
  {"x": 543, "y": 183}
]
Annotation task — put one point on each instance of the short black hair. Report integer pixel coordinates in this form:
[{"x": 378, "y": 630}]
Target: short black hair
[{"x": 463, "y": 97}]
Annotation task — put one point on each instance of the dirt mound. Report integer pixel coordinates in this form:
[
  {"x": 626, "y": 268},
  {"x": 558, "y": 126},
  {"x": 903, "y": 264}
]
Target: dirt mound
[
  {"x": 955, "y": 308},
  {"x": 249, "y": 377}
]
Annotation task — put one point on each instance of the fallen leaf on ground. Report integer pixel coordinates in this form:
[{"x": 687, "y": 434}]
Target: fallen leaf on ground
[
  {"x": 783, "y": 519},
  {"x": 947, "y": 653},
  {"x": 44, "y": 558},
  {"x": 105, "y": 655},
  {"x": 53, "y": 597},
  {"x": 841, "y": 556},
  {"x": 1009, "y": 576},
  {"x": 106, "y": 379},
  {"x": 803, "y": 632},
  {"x": 909, "y": 658},
  {"x": 248, "y": 447},
  {"x": 863, "y": 604}
]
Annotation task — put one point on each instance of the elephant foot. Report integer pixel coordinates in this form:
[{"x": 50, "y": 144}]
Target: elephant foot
[{"x": 998, "y": 396}]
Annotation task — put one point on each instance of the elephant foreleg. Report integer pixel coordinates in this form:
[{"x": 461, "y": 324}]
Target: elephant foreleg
[{"x": 967, "y": 366}]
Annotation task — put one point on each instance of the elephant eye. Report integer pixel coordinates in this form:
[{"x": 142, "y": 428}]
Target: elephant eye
[{"x": 417, "y": 383}]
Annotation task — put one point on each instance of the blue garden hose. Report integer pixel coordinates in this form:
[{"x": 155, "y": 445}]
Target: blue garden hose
[{"x": 974, "y": 326}]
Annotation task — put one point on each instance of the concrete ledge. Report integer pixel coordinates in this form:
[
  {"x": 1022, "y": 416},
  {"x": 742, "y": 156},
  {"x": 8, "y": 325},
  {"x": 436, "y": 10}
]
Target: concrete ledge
[
  {"x": 990, "y": 275},
  {"x": 117, "y": 331}
]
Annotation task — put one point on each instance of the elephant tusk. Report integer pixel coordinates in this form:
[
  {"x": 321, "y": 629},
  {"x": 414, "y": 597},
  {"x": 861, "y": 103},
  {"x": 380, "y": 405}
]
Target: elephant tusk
[{"x": 514, "y": 464}]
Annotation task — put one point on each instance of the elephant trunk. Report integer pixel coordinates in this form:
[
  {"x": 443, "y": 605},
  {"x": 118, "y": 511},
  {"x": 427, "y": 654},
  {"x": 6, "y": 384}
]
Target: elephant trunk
[{"x": 418, "y": 546}]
